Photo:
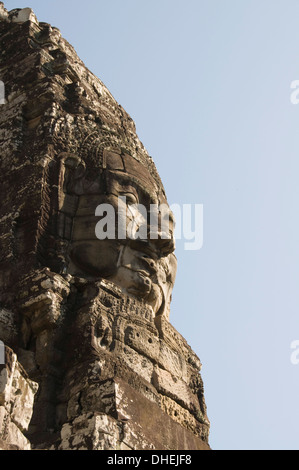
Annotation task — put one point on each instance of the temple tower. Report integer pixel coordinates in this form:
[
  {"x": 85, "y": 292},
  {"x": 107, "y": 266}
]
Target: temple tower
[{"x": 91, "y": 359}]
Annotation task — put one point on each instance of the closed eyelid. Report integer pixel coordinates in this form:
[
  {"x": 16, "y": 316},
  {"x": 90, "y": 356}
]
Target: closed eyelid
[{"x": 130, "y": 195}]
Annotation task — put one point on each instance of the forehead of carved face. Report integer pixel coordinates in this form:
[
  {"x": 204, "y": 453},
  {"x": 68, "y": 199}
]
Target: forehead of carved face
[
  {"x": 119, "y": 173},
  {"x": 132, "y": 182},
  {"x": 131, "y": 174}
]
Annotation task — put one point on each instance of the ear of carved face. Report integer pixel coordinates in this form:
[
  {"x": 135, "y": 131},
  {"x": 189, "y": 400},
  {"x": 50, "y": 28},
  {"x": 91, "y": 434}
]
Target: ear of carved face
[{"x": 143, "y": 265}]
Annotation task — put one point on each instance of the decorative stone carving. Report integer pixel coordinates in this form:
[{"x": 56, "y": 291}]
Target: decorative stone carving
[
  {"x": 144, "y": 268},
  {"x": 87, "y": 319}
]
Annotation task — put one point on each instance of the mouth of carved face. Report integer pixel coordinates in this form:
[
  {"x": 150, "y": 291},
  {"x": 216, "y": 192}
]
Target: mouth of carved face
[
  {"x": 141, "y": 275},
  {"x": 143, "y": 286}
]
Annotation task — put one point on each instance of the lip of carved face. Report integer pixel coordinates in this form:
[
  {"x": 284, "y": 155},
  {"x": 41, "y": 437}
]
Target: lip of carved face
[
  {"x": 146, "y": 275},
  {"x": 149, "y": 265}
]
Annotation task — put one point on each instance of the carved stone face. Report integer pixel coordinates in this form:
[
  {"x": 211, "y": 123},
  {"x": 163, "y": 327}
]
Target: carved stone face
[{"x": 144, "y": 267}]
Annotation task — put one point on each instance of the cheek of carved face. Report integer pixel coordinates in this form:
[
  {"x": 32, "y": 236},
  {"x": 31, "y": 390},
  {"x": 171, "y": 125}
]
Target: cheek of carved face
[
  {"x": 94, "y": 258},
  {"x": 89, "y": 255}
]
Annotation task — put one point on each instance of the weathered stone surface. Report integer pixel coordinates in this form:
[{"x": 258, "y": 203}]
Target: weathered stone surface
[
  {"x": 22, "y": 15},
  {"x": 143, "y": 425},
  {"x": 90, "y": 432},
  {"x": 17, "y": 394},
  {"x": 87, "y": 317},
  {"x": 8, "y": 327}
]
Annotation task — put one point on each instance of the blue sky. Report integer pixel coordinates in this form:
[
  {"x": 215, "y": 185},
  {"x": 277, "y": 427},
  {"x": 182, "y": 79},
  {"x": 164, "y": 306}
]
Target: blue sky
[{"x": 207, "y": 83}]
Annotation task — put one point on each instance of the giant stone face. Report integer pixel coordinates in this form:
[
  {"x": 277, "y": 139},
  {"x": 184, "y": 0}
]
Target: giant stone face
[{"x": 142, "y": 266}]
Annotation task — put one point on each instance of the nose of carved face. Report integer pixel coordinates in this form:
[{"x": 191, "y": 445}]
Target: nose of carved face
[
  {"x": 154, "y": 248},
  {"x": 165, "y": 246},
  {"x": 152, "y": 233}
]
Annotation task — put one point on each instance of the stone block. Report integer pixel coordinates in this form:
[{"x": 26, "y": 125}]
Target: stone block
[
  {"x": 90, "y": 432},
  {"x": 15, "y": 437},
  {"x": 17, "y": 393},
  {"x": 143, "y": 340},
  {"x": 22, "y": 399},
  {"x": 97, "y": 397},
  {"x": 2, "y": 353},
  {"x": 147, "y": 427},
  {"x": 173, "y": 361},
  {"x": 175, "y": 388},
  {"x": 25, "y": 14},
  {"x": 8, "y": 329},
  {"x": 3, "y": 12},
  {"x": 3, "y": 418},
  {"x": 6, "y": 377},
  {"x": 199, "y": 426},
  {"x": 139, "y": 363}
]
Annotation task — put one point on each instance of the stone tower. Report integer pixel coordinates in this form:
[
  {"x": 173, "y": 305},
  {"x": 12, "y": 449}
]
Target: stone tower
[{"x": 91, "y": 360}]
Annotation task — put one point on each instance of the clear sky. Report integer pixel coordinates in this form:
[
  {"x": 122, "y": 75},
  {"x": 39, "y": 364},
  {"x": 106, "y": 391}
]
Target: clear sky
[{"x": 208, "y": 84}]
